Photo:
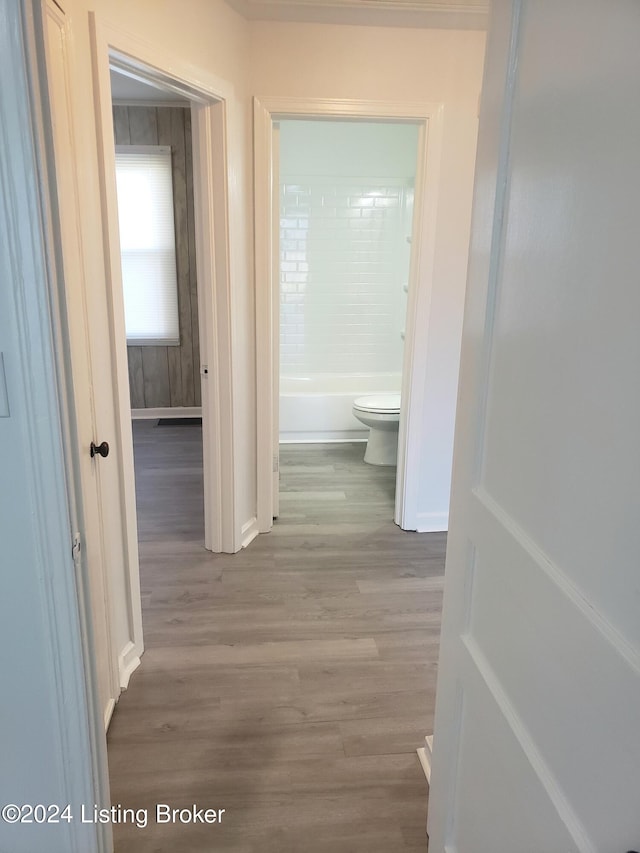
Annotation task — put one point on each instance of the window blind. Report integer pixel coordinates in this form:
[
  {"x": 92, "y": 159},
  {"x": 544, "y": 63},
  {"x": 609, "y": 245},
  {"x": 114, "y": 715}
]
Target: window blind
[{"x": 147, "y": 244}]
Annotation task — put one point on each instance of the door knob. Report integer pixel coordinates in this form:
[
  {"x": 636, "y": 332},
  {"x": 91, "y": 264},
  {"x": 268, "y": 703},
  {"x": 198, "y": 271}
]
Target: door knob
[{"x": 101, "y": 449}]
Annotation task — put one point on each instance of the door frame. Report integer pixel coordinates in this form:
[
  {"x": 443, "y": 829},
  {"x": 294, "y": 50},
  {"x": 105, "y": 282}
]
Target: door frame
[
  {"x": 267, "y": 111},
  {"x": 209, "y": 95}
]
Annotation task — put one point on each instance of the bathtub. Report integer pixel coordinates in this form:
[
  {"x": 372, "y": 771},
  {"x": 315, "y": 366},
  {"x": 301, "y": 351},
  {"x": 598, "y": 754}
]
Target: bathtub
[{"x": 318, "y": 407}]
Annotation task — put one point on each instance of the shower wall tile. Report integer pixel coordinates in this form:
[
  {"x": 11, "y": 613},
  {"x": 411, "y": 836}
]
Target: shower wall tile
[{"x": 344, "y": 260}]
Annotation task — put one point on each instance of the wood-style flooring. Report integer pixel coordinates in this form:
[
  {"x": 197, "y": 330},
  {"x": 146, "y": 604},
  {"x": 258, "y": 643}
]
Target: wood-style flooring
[{"x": 289, "y": 684}]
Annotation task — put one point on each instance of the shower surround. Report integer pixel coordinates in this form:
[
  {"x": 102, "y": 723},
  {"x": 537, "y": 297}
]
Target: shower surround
[{"x": 344, "y": 268}]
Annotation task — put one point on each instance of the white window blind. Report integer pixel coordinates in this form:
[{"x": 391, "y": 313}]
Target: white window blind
[{"x": 147, "y": 243}]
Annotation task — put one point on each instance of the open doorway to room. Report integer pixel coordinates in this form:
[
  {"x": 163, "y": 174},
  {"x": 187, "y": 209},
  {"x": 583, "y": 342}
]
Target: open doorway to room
[
  {"x": 154, "y": 177},
  {"x": 346, "y": 198},
  {"x": 414, "y": 270}
]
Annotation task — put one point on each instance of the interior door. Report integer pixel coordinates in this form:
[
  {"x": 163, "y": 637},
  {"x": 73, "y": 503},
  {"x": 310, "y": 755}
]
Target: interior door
[
  {"x": 94, "y": 558},
  {"x": 536, "y": 746}
]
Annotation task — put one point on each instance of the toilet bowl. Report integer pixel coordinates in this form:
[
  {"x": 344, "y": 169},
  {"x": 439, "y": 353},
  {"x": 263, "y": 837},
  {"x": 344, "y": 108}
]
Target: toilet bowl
[{"x": 381, "y": 413}]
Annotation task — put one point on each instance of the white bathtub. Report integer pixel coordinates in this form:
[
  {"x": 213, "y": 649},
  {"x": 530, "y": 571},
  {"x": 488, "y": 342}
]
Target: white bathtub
[{"x": 318, "y": 407}]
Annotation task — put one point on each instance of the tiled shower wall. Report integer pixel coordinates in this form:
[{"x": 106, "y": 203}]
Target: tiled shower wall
[{"x": 344, "y": 266}]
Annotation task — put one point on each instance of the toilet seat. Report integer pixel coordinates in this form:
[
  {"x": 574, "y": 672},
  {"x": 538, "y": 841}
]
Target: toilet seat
[{"x": 380, "y": 404}]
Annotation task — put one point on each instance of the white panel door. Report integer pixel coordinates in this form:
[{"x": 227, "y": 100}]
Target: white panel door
[
  {"x": 537, "y": 735},
  {"x": 94, "y": 559}
]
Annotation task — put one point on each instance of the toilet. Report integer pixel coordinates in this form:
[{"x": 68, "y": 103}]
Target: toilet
[{"x": 381, "y": 413}]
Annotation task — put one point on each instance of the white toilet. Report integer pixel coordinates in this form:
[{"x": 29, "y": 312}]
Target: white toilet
[{"x": 381, "y": 413}]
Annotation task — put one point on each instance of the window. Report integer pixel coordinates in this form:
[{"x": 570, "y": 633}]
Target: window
[{"x": 147, "y": 244}]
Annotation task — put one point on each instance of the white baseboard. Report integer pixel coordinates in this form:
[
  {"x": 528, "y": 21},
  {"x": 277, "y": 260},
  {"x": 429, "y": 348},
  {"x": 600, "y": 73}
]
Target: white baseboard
[
  {"x": 128, "y": 662},
  {"x": 111, "y": 706},
  {"x": 167, "y": 412},
  {"x": 324, "y": 436},
  {"x": 424, "y": 754},
  {"x": 249, "y": 531},
  {"x": 432, "y": 522}
]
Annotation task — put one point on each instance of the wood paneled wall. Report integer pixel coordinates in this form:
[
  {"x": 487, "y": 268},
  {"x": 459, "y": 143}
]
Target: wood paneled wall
[{"x": 170, "y": 375}]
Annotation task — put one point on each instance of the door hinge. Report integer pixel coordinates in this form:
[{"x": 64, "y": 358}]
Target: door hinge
[
  {"x": 76, "y": 548},
  {"x": 276, "y": 463}
]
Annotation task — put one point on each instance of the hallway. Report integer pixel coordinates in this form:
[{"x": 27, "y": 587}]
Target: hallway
[{"x": 289, "y": 684}]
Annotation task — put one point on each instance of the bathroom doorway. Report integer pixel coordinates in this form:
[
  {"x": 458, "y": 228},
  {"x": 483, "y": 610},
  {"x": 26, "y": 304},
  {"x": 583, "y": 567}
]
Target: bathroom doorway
[
  {"x": 309, "y": 314},
  {"x": 345, "y": 220}
]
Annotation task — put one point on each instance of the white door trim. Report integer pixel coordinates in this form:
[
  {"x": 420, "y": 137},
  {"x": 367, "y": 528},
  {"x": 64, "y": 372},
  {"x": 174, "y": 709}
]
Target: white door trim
[
  {"x": 209, "y": 95},
  {"x": 429, "y": 116}
]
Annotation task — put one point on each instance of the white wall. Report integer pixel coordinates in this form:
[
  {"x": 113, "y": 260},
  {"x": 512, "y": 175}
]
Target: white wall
[{"x": 323, "y": 61}]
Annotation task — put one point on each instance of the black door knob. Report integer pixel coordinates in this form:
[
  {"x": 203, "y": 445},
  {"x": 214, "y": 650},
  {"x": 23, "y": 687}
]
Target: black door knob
[{"x": 101, "y": 449}]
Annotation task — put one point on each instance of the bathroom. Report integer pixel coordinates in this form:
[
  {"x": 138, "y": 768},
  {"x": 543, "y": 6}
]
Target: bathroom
[{"x": 346, "y": 217}]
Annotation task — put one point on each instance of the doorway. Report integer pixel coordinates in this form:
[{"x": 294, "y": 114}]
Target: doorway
[
  {"x": 154, "y": 176},
  {"x": 267, "y": 114},
  {"x": 154, "y": 172},
  {"x": 212, "y": 306},
  {"x": 343, "y": 244}
]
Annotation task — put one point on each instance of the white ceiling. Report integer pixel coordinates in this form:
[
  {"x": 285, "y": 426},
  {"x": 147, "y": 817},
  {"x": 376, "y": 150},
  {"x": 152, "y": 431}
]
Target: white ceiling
[
  {"x": 470, "y": 14},
  {"x": 131, "y": 91}
]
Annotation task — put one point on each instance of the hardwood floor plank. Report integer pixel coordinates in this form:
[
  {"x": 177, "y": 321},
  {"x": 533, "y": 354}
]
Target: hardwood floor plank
[
  {"x": 199, "y": 686},
  {"x": 366, "y": 676},
  {"x": 382, "y": 735},
  {"x": 316, "y": 706},
  {"x": 284, "y": 652},
  {"x": 411, "y": 584},
  {"x": 304, "y": 496}
]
